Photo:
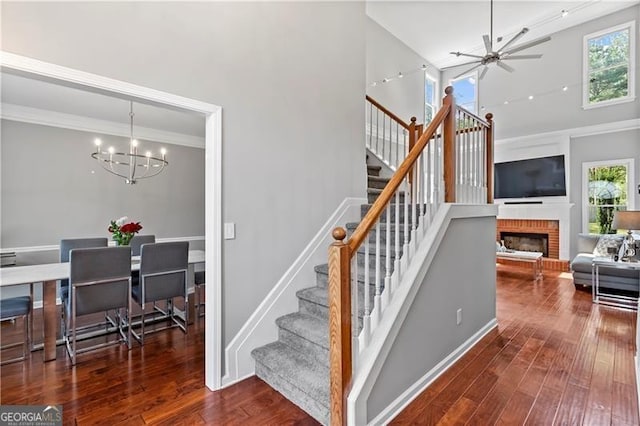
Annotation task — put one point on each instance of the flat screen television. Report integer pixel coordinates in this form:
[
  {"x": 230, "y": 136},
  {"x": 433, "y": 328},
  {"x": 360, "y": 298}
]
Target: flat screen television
[{"x": 535, "y": 177}]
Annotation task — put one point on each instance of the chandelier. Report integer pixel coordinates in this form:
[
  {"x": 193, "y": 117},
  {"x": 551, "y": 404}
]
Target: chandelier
[{"x": 130, "y": 165}]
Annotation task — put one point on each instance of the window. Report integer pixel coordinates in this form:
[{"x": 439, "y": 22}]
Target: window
[
  {"x": 465, "y": 90},
  {"x": 430, "y": 100},
  {"x": 606, "y": 188},
  {"x": 608, "y": 66}
]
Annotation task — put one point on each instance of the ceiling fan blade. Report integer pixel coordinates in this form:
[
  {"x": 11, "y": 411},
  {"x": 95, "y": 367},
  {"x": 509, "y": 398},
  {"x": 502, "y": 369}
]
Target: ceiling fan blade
[
  {"x": 466, "y": 72},
  {"x": 459, "y": 65},
  {"x": 466, "y": 54},
  {"x": 514, "y": 39},
  {"x": 521, "y": 57},
  {"x": 505, "y": 66},
  {"x": 526, "y": 45},
  {"x": 487, "y": 43},
  {"x": 484, "y": 71}
]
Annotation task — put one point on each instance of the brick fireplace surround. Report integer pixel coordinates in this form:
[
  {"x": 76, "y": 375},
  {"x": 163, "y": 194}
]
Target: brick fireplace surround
[{"x": 537, "y": 226}]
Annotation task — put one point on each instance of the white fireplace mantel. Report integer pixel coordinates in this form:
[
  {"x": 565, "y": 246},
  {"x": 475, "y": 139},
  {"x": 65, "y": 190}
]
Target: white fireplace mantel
[{"x": 549, "y": 211}]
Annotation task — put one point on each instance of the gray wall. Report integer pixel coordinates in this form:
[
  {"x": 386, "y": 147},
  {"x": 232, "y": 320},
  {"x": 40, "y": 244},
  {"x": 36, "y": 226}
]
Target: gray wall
[
  {"x": 49, "y": 191},
  {"x": 290, "y": 80},
  {"x": 429, "y": 332},
  {"x": 611, "y": 146},
  {"x": 560, "y": 66},
  {"x": 386, "y": 56}
]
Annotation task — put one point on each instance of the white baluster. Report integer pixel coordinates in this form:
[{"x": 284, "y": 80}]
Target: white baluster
[
  {"x": 370, "y": 146},
  {"x": 412, "y": 188},
  {"x": 354, "y": 312},
  {"x": 366, "y": 320},
  {"x": 405, "y": 249},
  {"x": 375, "y": 317},
  {"x": 377, "y": 130},
  {"x": 384, "y": 136},
  {"x": 386, "y": 294},
  {"x": 397, "y": 271}
]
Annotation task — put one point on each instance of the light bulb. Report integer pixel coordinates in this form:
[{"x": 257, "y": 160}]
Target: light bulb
[
  {"x": 565, "y": 88},
  {"x": 506, "y": 102},
  {"x": 134, "y": 143},
  {"x": 163, "y": 151},
  {"x": 148, "y": 154},
  {"x": 98, "y": 142},
  {"x": 530, "y": 97},
  {"x": 111, "y": 150}
]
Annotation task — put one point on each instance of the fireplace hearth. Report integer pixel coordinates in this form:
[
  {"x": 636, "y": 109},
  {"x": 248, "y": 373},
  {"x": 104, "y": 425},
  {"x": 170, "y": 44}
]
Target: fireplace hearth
[{"x": 526, "y": 241}]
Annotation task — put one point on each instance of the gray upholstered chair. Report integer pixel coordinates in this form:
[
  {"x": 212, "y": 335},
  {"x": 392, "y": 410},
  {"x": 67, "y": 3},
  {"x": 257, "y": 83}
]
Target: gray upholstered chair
[
  {"x": 163, "y": 276},
  {"x": 199, "y": 281},
  {"x": 68, "y": 244},
  {"x": 138, "y": 240},
  {"x": 12, "y": 309},
  {"x": 99, "y": 280}
]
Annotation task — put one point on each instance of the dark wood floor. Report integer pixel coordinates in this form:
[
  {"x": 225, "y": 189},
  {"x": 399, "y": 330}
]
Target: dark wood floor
[{"x": 554, "y": 359}]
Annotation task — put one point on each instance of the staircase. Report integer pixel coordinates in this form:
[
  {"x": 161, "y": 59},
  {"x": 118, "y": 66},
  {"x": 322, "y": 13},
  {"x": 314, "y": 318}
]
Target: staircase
[{"x": 297, "y": 364}]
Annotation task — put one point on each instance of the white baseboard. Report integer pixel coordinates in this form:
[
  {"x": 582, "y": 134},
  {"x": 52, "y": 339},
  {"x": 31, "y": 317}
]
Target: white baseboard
[
  {"x": 396, "y": 407},
  {"x": 261, "y": 328}
]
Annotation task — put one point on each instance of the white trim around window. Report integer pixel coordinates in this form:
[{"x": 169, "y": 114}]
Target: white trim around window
[
  {"x": 631, "y": 94},
  {"x": 436, "y": 95},
  {"x": 631, "y": 173}
]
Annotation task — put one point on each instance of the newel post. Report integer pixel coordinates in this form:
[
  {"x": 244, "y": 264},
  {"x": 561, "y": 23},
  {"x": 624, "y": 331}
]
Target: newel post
[
  {"x": 489, "y": 158},
  {"x": 449, "y": 149},
  {"x": 340, "y": 362}
]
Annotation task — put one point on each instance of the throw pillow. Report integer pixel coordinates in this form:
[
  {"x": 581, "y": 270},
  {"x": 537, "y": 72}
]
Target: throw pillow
[{"x": 605, "y": 241}]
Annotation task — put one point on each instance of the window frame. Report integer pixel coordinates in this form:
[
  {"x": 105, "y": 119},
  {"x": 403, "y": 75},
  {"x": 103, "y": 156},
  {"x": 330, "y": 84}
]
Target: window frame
[
  {"x": 475, "y": 75},
  {"x": 631, "y": 173},
  {"x": 631, "y": 91},
  {"x": 436, "y": 91}
]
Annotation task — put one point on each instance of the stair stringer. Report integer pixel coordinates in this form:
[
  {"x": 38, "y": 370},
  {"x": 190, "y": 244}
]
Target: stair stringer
[
  {"x": 371, "y": 359},
  {"x": 261, "y": 328}
]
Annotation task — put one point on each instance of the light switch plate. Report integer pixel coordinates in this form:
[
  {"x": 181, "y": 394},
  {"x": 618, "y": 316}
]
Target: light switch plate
[{"x": 229, "y": 231}]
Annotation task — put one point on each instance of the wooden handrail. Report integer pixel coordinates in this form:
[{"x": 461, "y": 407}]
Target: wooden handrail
[
  {"x": 387, "y": 112},
  {"x": 383, "y": 199},
  {"x": 341, "y": 252}
]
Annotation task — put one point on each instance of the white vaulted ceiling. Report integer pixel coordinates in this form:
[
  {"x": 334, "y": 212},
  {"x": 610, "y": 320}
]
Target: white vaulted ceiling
[{"x": 435, "y": 28}]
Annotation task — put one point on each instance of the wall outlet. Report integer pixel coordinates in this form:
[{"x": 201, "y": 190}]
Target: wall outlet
[
  {"x": 229, "y": 231},
  {"x": 459, "y": 316}
]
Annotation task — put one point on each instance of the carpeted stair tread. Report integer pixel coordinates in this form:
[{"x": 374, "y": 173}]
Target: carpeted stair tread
[
  {"x": 306, "y": 326},
  {"x": 373, "y": 170},
  {"x": 324, "y": 270},
  {"x": 303, "y": 372},
  {"x": 319, "y": 296}
]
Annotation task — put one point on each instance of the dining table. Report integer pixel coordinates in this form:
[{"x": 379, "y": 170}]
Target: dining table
[{"x": 49, "y": 274}]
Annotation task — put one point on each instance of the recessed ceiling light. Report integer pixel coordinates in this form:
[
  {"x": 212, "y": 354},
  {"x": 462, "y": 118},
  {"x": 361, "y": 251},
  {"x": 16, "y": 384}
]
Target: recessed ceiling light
[
  {"x": 565, "y": 88},
  {"x": 482, "y": 108},
  {"x": 564, "y": 13},
  {"x": 385, "y": 80},
  {"x": 506, "y": 102},
  {"x": 530, "y": 97},
  {"x": 400, "y": 75},
  {"x": 374, "y": 84}
]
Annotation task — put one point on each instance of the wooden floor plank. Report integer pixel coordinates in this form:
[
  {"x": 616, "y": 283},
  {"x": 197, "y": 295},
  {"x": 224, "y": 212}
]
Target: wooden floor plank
[{"x": 554, "y": 357}]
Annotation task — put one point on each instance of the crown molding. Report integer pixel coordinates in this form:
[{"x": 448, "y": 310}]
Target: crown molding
[{"x": 44, "y": 117}]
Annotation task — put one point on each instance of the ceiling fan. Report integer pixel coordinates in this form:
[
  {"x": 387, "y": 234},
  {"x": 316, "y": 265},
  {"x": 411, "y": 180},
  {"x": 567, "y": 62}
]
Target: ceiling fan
[{"x": 504, "y": 53}]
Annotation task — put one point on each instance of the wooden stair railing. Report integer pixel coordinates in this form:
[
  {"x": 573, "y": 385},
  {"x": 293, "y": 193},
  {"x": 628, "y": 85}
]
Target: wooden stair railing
[
  {"x": 435, "y": 170},
  {"x": 387, "y": 135}
]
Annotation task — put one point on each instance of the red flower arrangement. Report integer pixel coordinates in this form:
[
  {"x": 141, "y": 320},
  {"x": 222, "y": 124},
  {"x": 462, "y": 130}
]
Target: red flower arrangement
[{"x": 123, "y": 232}]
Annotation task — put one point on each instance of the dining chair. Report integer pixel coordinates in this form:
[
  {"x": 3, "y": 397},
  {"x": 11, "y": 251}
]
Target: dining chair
[
  {"x": 163, "y": 276},
  {"x": 99, "y": 280},
  {"x": 66, "y": 245},
  {"x": 198, "y": 282},
  {"x": 12, "y": 309},
  {"x": 138, "y": 240}
]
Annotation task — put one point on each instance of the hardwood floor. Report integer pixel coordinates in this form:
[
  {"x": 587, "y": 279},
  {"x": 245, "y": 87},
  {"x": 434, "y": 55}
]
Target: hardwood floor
[{"x": 555, "y": 358}]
